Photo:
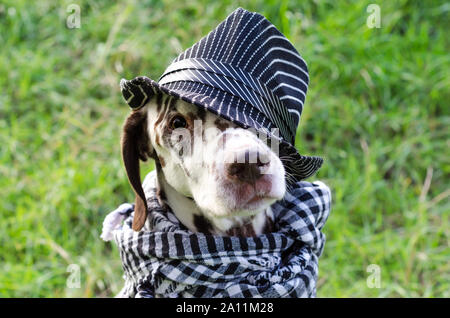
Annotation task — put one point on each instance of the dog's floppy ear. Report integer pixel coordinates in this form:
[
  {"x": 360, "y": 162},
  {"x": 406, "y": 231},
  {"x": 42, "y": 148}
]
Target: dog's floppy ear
[{"x": 136, "y": 145}]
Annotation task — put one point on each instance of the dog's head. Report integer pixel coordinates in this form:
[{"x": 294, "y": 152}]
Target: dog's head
[{"x": 227, "y": 170}]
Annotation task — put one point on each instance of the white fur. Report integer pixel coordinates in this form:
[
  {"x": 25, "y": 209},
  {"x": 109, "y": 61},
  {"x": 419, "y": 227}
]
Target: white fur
[{"x": 202, "y": 176}]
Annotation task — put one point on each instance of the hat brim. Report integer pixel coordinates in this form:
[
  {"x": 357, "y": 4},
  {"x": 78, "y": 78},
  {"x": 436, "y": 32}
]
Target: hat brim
[{"x": 139, "y": 91}]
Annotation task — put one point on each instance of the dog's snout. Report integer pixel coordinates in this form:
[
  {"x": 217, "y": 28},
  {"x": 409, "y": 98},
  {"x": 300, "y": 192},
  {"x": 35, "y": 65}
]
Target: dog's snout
[
  {"x": 245, "y": 172},
  {"x": 249, "y": 166}
]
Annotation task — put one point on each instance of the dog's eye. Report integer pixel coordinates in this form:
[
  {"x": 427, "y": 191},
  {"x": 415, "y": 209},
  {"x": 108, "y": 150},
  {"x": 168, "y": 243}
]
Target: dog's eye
[{"x": 178, "y": 122}]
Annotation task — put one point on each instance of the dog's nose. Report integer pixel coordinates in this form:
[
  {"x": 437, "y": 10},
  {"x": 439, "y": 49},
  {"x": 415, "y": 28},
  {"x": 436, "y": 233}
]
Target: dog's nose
[{"x": 249, "y": 166}]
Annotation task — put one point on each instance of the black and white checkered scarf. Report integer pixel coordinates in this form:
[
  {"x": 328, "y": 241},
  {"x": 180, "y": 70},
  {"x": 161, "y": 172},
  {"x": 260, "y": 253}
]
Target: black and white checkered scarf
[{"x": 171, "y": 261}]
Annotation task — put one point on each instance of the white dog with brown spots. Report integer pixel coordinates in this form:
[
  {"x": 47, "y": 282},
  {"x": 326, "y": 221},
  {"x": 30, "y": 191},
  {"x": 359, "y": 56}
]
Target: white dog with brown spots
[{"x": 216, "y": 177}]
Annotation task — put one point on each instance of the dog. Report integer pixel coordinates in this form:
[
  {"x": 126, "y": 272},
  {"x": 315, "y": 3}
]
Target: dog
[
  {"x": 220, "y": 124},
  {"x": 217, "y": 177}
]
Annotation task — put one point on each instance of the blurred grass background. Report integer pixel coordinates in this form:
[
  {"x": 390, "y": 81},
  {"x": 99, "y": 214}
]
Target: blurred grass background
[{"x": 377, "y": 111}]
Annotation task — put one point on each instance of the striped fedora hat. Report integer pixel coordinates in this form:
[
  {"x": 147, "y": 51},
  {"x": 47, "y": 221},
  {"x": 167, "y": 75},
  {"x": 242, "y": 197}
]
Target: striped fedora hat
[{"x": 245, "y": 71}]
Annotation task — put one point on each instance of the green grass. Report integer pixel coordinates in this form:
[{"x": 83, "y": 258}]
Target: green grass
[{"x": 377, "y": 111}]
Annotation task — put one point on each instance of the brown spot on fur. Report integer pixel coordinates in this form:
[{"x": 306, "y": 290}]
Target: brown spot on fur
[
  {"x": 191, "y": 117},
  {"x": 161, "y": 197},
  {"x": 222, "y": 125},
  {"x": 161, "y": 116},
  {"x": 158, "y": 167},
  {"x": 157, "y": 138},
  {"x": 162, "y": 162},
  {"x": 159, "y": 119},
  {"x": 202, "y": 224},
  {"x": 201, "y": 113},
  {"x": 166, "y": 109},
  {"x": 269, "y": 226},
  {"x": 160, "y": 194},
  {"x": 246, "y": 230},
  {"x": 173, "y": 103},
  {"x": 159, "y": 98}
]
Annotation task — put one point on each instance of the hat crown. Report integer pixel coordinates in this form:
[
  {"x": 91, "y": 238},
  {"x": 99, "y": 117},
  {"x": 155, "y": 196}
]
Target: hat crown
[{"x": 247, "y": 41}]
